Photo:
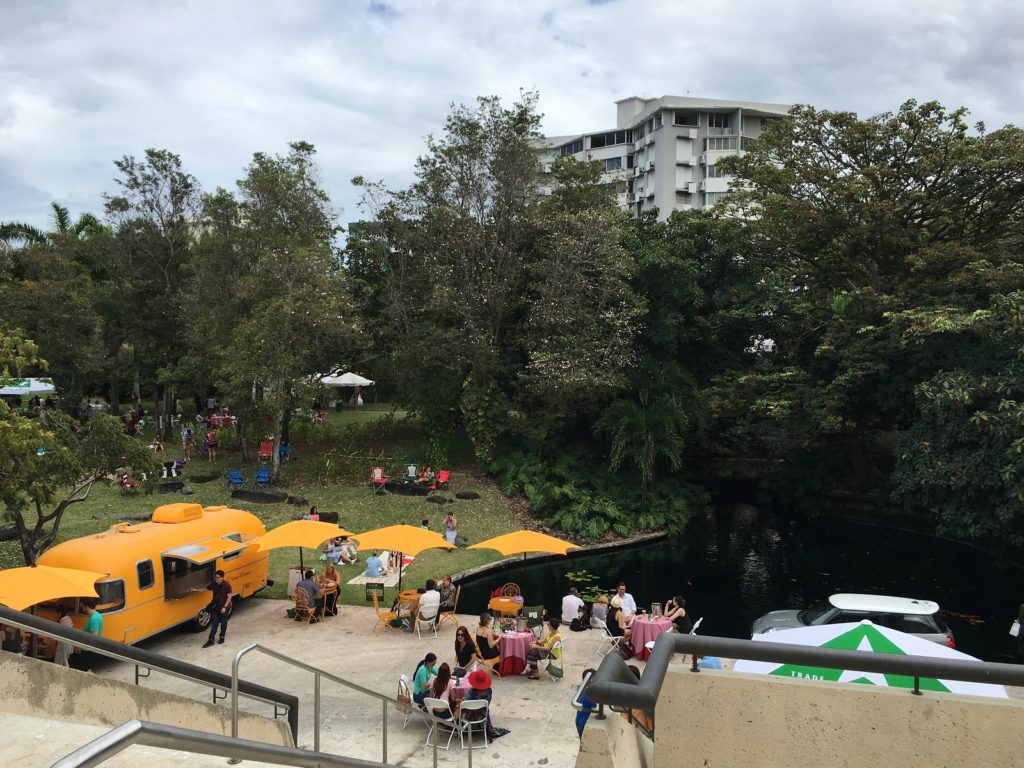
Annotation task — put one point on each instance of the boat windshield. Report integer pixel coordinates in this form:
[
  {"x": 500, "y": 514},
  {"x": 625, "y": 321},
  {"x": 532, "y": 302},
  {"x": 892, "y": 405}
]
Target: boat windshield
[{"x": 815, "y": 613}]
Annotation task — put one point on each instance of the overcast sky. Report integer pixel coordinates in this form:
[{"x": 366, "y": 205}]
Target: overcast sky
[{"x": 83, "y": 83}]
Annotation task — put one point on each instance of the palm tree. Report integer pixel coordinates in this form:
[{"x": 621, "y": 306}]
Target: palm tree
[
  {"x": 641, "y": 430},
  {"x": 25, "y": 234}
]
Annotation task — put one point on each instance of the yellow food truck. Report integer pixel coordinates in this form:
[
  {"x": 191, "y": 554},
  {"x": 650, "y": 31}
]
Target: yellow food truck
[{"x": 157, "y": 571}]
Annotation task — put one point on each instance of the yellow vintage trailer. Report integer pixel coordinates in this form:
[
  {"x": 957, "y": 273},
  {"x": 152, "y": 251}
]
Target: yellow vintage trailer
[{"x": 153, "y": 568}]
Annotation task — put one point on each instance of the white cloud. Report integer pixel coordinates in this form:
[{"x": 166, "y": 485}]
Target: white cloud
[{"x": 83, "y": 83}]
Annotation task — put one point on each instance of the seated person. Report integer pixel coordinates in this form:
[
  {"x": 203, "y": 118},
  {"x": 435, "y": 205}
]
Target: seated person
[
  {"x": 675, "y": 611},
  {"x": 329, "y": 581},
  {"x": 421, "y": 478},
  {"x": 447, "y": 590},
  {"x": 347, "y": 551},
  {"x": 480, "y": 689},
  {"x": 374, "y": 566},
  {"x": 332, "y": 551},
  {"x": 421, "y": 678},
  {"x": 430, "y": 602},
  {"x": 614, "y": 611},
  {"x": 465, "y": 650},
  {"x": 440, "y": 687},
  {"x": 431, "y": 476},
  {"x": 313, "y": 591},
  {"x": 544, "y": 649},
  {"x": 599, "y": 611},
  {"x": 486, "y": 639},
  {"x": 394, "y": 559}
]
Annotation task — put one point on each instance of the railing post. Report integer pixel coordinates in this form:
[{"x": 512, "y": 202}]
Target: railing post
[
  {"x": 384, "y": 720},
  {"x": 316, "y": 712}
]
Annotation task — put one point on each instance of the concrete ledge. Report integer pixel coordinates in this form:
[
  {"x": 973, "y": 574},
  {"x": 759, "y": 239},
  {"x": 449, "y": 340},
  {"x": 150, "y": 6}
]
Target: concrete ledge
[
  {"x": 614, "y": 743},
  {"x": 41, "y": 689}
]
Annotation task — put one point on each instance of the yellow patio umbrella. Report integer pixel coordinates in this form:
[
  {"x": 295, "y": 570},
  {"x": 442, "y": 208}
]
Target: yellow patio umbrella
[
  {"x": 26, "y": 586},
  {"x": 522, "y": 542},
  {"x": 300, "y": 533},
  {"x": 406, "y": 539}
]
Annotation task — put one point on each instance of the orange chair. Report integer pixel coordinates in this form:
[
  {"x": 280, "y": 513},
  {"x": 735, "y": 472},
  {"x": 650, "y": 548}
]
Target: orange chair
[{"x": 378, "y": 480}]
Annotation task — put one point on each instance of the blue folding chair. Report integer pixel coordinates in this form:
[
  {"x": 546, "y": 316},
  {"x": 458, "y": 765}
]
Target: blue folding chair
[
  {"x": 285, "y": 451},
  {"x": 235, "y": 479},
  {"x": 262, "y": 477}
]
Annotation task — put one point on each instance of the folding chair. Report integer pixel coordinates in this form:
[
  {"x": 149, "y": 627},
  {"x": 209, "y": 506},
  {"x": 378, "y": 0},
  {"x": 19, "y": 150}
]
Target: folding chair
[
  {"x": 266, "y": 451},
  {"x": 383, "y": 617},
  {"x": 473, "y": 717},
  {"x": 613, "y": 639},
  {"x": 443, "y": 477},
  {"x": 262, "y": 477},
  {"x": 534, "y": 616},
  {"x": 378, "y": 480},
  {"x": 447, "y": 718},
  {"x": 403, "y": 701},
  {"x": 235, "y": 479},
  {"x": 450, "y": 615},
  {"x": 410, "y": 473},
  {"x": 285, "y": 452},
  {"x": 556, "y": 666},
  {"x": 426, "y": 621}
]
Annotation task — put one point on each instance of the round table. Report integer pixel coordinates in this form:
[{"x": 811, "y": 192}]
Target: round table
[
  {"x": 504, "y": 606},
  {"x": 646, "y": 629},
  {"x": 457, "y": 692},
  {"x": 513, "y": 647}
]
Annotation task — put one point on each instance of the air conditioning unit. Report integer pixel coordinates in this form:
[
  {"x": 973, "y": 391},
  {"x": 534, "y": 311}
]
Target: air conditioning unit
[
  {"x": 703, "y": 158},
  {"x": 686, "y": 188},
  {"x": 650, "y": 165},
  {"x": 703, "y": 185}
]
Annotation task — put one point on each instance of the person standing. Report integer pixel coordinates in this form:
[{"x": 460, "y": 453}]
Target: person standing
[
  {"x": 94, "y": 626},
  {"x": 572, "y": 607},
  {"x": 63, "y": 653},
  {"x": 220, "y": 607}
]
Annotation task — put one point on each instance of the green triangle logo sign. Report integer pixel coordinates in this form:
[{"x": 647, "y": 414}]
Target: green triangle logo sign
[{"x": 863, "y": 637}]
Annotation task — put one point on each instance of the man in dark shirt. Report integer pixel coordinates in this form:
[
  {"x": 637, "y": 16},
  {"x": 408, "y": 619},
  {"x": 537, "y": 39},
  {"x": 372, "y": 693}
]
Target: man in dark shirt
[
  {"x": 220, "y": 607},
  {"x": 313, "y": 593}
]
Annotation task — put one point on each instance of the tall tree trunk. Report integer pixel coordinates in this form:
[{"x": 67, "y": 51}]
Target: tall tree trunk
[
  {"x": 115, "y": 393},
  {"x": 275, "y": 461}
]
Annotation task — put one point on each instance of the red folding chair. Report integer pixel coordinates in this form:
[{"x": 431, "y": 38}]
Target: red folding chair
[
  {"x": 378, "y": 479},
  {"x": 443, "y": 476},
  {"x": 266, "y": 452}
]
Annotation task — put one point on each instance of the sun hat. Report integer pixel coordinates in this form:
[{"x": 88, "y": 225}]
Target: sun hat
[
  {"x": 479, "y": 679},
  {"x": 616, "y": 602}
]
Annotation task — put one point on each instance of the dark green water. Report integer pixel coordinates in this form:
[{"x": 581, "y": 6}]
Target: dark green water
[{"x": 731, "y": 568}]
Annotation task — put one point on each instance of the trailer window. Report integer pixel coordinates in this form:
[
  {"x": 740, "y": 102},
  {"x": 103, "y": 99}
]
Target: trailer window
[
  {"x": 111, "y": 595},
  {"x": 144, "y": 569}
]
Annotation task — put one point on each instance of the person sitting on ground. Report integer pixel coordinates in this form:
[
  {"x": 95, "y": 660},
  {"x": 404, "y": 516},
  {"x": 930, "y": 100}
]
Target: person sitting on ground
[
  {"x": 440, "y": 687},
  {"x": 573, "y": 607},
  {"x": 465, "y": 651},
  {"x": 480, "y": 690},
  {"x": 421, "y": 678},
  {"x": 348, "y": 551},
  {"x": 329, "y": 581},
  {"x": 486, "y": 640},
  {"x": 430, "y": 602},
  {"x": 544, "y": 649},
  {"x": 675, "y": 611},
  {"x": 374, "y": 567},
  {"x": 158, "y": 443},
  {"x": 599, "y": 611},
  {"x": 394, "y": 559},
  {"x": 425, "y": 524},
  {"x": 332, "y": 551},
  {"x": 313, "y": 592}
]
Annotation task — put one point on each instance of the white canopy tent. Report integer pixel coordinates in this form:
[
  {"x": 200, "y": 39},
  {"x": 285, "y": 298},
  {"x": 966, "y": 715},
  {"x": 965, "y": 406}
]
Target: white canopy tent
[
  {"x": 27, "y": 387},
  {"x": 346, "y": 380}
]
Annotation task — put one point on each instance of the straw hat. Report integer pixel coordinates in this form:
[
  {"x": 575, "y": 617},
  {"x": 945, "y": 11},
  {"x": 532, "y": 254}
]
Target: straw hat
[{"x": 479, "y": 679}]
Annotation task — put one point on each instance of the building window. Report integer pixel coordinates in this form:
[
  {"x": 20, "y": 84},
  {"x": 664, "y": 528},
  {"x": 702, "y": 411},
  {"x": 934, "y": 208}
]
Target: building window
[
  {"x": 686, "y": 118},
  {"x": 144, "y": 570},
  {"x": 718, "y": 121},
  {"x": 657, "y": 120},
  {"x": 712, "y": 172},
  {"x": 613, "y": 163},
  {"x": 719, "y": 143},
  {"x": 710, "y": 198},
  {"x": 572, "y": 148},
  {"x": 609, "y": 139}
]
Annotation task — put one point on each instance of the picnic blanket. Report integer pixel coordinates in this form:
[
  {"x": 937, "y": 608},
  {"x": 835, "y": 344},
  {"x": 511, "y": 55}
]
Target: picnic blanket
[{"x": 391, "y": 580}]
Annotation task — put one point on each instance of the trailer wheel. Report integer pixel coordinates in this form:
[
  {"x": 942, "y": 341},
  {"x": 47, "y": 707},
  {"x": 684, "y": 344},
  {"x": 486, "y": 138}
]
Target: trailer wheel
[{"x": 201, "y": 620}]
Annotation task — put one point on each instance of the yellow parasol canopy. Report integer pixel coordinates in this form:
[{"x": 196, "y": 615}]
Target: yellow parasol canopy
[
  {"x": 301, "y": 533},
  {"x": 401, "y": 538},
  {"x": 521, "y": 542},
  {"x": 26, "y": 586}
]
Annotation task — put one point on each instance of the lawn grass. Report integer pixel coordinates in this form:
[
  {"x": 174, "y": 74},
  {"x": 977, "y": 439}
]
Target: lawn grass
[{"x": 358, "y": 508}]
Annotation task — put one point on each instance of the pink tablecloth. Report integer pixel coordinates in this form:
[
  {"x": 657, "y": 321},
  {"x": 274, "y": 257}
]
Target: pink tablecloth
[
  {"x": 645, "y": 630},
  {"x": 513, "y": 647},
  {"x": 458, "y": 692}
]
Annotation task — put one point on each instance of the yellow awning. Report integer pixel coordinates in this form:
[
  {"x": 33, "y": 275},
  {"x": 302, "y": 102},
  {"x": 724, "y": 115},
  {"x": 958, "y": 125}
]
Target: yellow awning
[
  {"x": 301, "y": 533},
  {"x": 521, "y": 542},
  {"x": 27, "y": 586},
  {"x": 401, "y": 538}
]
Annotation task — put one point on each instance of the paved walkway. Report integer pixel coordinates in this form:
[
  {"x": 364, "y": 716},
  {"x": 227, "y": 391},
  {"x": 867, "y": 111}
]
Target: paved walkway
[{"x": 538, "y": 713}]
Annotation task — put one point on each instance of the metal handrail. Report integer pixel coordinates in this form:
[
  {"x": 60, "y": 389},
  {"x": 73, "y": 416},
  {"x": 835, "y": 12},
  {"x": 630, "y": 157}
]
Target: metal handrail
[
  {"x": 111, "y": 743},
  {"x": 318, "y": 673},
  {"x": 615, "y": 685},
  {"x": 149, "y": 660}
]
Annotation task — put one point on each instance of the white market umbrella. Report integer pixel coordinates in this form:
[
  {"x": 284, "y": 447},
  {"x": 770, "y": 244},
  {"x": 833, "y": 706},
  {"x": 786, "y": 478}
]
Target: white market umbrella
[
  {"x": 867, "y": 637},
  {"x": 346, "y": 380},
  {"x": 27, "y": 387}
]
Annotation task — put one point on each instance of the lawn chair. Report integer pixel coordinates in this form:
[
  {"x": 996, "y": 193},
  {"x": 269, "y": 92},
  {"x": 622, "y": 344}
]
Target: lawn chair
[
  {"x": 235, "y": 479},
  {"x": 284, "y": 452},
  {"x": 443, "y": 477},
  {"x": 450, "y": 615},
  {"x": 534, "y": 616},
  {"x": 126, "y": 484},
  {"x": 262, "y": 477},
  {"x": 613, "y": 639},
  {"x": 447, "y": 718},
  {"x": 410, "y": 473},
  {"x": 473, "y": 718},
  {"x": 384, "y": 617},
  {"x": 426, "y": 621},
  {"x": 378, "y": 480},
  {"x": 266, "y": 451},
  {"x": 304, "y": 610}
]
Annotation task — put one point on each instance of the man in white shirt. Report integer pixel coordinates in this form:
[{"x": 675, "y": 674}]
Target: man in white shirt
[
  {"x": 628, "y": 603},
  {"x": 571, "y": 605},
  {"x": 430, "y": 602}
]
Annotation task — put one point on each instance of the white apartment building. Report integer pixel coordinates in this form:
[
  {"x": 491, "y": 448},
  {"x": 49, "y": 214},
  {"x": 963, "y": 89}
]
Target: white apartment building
[{"x": 662, "y": 152}]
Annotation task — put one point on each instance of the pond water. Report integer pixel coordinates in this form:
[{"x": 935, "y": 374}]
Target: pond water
[{"x": 732, "y": 566}]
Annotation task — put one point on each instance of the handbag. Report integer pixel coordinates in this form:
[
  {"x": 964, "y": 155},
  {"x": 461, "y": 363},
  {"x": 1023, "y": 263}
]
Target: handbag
[
  {"x": 626, "y": 650},
  {"x": 1015, "y": 628},
  {"x": 556, "y": 672}
]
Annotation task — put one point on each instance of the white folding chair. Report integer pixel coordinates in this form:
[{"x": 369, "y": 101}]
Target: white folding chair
[
  {"x": 473, "y": 717},
  {"x": 555, "y": 666},
  {"x": 423, "y": 621},
  {"x": 446, "y": 718},
  {"x": 695, "y": 625},
  {"x": 404, "y": 692},
  {"x": 613, "y": 639}
]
